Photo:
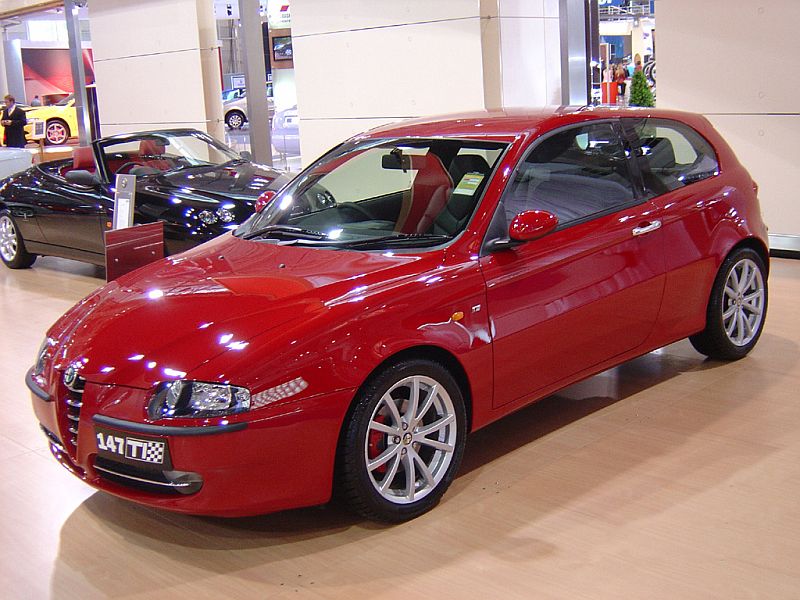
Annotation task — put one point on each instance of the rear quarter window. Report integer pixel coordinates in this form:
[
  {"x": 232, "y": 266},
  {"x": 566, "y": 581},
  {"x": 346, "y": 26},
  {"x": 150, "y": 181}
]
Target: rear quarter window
[{"x": 670, "y": 154}]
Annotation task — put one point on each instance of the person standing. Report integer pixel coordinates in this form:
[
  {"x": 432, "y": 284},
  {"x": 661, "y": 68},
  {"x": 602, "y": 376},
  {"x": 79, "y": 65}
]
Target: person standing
[
  {"x": 620, "y": 79},
  {"x": 14, "y": 120},
  {"x": 36, "y": 101}
]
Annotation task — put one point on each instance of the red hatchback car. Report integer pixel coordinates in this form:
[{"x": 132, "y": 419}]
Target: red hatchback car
[{"x": 414, "y": 284}]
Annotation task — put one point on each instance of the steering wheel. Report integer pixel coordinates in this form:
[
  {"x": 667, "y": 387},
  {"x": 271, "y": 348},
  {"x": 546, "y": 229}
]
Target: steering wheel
[
  {"x": 354, "y": 207},
  {"x": 128, "y": 165}
]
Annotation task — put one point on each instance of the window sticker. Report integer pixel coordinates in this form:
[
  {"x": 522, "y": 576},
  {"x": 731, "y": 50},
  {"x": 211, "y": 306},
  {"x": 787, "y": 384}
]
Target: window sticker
[{"x": 469, "y": 184}]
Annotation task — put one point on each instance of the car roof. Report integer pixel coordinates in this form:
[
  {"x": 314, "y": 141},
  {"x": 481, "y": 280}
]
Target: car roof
[{"x": 508, "y": 123}]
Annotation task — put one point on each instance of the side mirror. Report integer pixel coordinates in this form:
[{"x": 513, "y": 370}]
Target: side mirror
[
  {"x": 526, "y": 226},
  {"x": 246, "y": 155},
  {"x": 531, "y": 224},
  {"x": 82, "y": 177}
]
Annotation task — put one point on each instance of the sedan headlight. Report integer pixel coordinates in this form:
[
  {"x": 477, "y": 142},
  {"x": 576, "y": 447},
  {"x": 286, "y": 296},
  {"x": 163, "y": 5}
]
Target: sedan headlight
[
  {"x": 43, "y": 356},
  {"x": 197, "y": 399}
]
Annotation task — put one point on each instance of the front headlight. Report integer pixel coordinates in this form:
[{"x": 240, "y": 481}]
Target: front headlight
[
  {"x": 197, "y": 399},
  {"x": 43, "y": 356}
]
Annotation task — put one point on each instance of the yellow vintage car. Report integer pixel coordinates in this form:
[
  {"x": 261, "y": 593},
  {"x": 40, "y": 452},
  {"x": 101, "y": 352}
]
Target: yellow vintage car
[{"x": 61, "y": 120}]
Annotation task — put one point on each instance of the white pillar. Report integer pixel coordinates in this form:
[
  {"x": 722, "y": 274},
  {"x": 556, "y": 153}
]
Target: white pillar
[
  {"x": 746, "y": 83},
  {"x": 156, "y": 65},
  {"x": 362, "y": 63}
]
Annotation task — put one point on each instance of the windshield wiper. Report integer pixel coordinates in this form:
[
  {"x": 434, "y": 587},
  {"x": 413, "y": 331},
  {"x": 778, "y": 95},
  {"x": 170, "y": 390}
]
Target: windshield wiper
[
  {"x": 398, "y": 239},
  {"x": 286, "y": 231}
]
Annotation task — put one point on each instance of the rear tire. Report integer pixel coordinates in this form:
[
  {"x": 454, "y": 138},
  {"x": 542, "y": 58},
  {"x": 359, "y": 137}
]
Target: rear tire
[
  {"x": 737, "y": 307},
  {"x": 403, "y": 443},
  {"x": 12, "y": 246},
  {"x": 56, "y": 132}
]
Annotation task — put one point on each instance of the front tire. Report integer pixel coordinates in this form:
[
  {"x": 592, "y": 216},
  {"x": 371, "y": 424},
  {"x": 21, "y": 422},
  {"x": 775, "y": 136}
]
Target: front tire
[
  {"x": 403, "y": 443},
  {"x": 56, "y": 132},
  {"x": 12, "y": 246},
  {"x": 736, "y": 309},
  {"x": 235, "y": 119}
]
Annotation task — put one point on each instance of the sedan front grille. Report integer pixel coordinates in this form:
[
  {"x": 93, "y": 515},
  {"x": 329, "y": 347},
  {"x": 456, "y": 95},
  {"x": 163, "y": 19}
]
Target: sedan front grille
[{"x": 73, "y": 401}]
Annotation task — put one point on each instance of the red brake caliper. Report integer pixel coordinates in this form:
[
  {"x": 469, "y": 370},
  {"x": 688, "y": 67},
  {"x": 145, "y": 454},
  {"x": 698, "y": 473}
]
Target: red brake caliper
[{"x": 376, "y": 443}]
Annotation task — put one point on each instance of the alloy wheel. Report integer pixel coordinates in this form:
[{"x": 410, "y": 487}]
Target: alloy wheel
[
  {"x": 235, "y": 121},
  {"x": 56, "y": 133},
  {"x": 410, "y": 440},
  {"x": 8, "y": 239},
  {"x": 743, "y": 302}
]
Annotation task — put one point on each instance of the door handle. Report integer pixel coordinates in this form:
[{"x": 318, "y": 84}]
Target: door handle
[{"x": 652, "y": 226}]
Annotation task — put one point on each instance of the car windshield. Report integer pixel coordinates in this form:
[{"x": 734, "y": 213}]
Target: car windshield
[
  {"x": 379, "y": 194},
  {"x": 65, "y": 101},
  {"x": 165, "y": 151}
]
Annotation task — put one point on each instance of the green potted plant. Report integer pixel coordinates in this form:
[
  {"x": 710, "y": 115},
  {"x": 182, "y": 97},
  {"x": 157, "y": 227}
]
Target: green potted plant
[{"x": 641, "y": 95}]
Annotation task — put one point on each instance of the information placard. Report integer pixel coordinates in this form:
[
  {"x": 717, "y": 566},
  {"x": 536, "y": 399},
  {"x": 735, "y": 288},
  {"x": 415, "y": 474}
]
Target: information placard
[{"x": 124, "y": 198}]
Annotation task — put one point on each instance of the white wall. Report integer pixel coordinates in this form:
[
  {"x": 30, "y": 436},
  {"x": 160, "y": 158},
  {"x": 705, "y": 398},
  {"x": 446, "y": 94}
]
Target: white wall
[
  {"x": 737, "y": 64},
  {"x": 153, "y": 73},
  {"x": 362, "y": 63}
]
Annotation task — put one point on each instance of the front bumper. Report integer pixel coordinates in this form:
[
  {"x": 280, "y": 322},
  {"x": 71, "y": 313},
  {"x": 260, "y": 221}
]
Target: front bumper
[{"x": 278, "y": 458}]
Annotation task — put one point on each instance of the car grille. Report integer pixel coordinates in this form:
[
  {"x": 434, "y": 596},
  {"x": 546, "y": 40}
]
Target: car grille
[{"x": 73, "y": 401}]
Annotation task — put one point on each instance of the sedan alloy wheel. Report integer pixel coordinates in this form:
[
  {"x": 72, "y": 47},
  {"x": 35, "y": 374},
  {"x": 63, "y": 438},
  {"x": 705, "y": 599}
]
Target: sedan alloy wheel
[
  {"x": 404, "y": 442},
  {"x": 12, "y": 248}
]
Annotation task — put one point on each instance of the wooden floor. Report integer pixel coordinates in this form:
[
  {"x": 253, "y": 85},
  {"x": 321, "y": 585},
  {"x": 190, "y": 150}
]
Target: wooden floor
[{"x": 669, "y": 477}]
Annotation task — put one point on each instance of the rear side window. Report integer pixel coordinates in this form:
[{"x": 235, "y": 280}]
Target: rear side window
[
  {"x": 573, "y": 174},
  {"x": 671, "y": 154}
]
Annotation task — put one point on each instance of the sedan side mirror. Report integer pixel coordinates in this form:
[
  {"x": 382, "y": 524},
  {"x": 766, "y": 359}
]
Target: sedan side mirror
[
  {"x": 82, "y": 177},
  {"x": 532, "y": 224},
  {"x": 526, "y": 226}
]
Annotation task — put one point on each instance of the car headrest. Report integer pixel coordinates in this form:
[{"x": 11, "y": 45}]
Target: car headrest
[
  {"x": 661, "y": 154},
  {"x": 83, "y": 158},
  {"x": 467, "y": 163},
  {"x": 151, "y": 148}
]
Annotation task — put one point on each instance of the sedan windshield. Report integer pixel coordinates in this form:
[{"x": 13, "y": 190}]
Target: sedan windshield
[
  {"x": 378, "y": 194},
  {"x": 165, "y": 151}
]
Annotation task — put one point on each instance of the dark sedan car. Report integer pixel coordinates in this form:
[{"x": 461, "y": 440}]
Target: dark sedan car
[{"x": 196, "y": 185}]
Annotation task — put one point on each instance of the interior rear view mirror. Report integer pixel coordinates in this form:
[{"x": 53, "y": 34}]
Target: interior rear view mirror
[
  {"x": 82, "y": 177},
  {"x": 396, "y": 160}
]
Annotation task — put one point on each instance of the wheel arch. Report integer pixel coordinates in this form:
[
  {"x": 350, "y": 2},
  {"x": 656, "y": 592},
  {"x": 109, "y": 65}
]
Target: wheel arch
[
  {"x": 754, "y": 244},
  {"x": 429, "y": 352},
  {"x": 62, "y": 121}
]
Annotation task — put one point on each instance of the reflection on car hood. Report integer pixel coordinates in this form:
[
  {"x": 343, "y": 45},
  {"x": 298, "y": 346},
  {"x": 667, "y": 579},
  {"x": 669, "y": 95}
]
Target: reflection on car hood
[
  {"x": 169, "y": 318},
  {"x": 244, "y": 181}
]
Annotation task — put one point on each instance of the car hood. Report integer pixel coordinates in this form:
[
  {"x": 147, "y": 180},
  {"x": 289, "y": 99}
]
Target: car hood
[
  {"x": 167, "y": 319},
  {"x": 242, "y": 181}
]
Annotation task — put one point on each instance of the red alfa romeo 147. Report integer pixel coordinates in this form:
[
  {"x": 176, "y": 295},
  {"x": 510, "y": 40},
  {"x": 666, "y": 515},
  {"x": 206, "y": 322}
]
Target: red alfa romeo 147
[{"x": 414, "y": 284}]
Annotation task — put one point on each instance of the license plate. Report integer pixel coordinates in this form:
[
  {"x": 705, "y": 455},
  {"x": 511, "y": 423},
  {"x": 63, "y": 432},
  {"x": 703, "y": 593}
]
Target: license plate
[{"x": 133, "y": 449}]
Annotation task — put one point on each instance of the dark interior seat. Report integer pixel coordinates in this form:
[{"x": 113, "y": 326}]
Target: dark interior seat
[{"x": 453, "y": 215}]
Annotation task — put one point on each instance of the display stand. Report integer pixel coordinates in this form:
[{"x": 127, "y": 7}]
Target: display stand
[{"x": 133, "y": 247}]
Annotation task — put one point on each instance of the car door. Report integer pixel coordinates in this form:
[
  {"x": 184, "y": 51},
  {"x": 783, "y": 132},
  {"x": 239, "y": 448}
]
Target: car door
[
  {"x": 72, "y": 216},
  {"x": 680, "y": 175},
  {"x": 591, "y": 289}
]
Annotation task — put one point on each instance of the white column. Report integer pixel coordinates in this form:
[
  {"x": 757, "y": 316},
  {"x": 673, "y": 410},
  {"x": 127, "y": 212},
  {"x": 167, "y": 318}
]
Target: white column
[
  {"x": 156, "y": 65},
  {"x": 530, "y": 52},
  {"x": 362, "y": 63},
  {"x": 746, "y": 82}
]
